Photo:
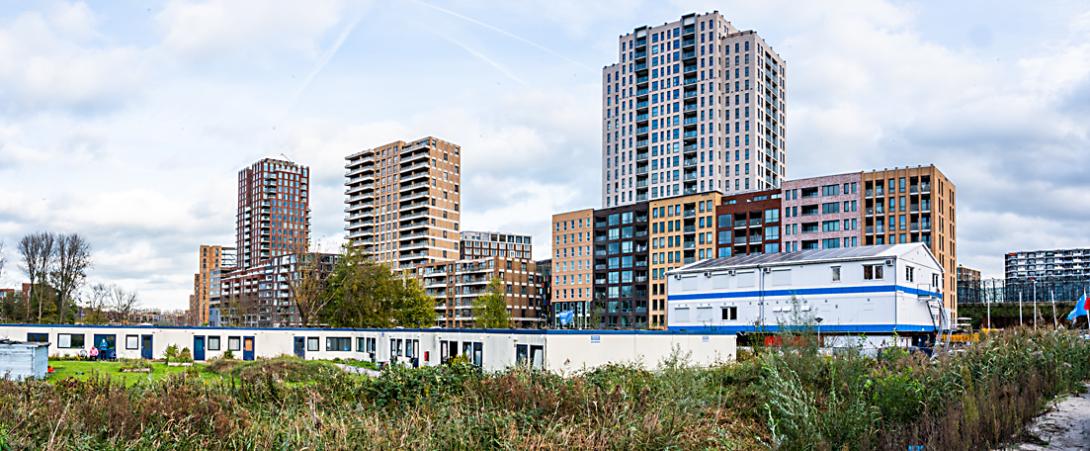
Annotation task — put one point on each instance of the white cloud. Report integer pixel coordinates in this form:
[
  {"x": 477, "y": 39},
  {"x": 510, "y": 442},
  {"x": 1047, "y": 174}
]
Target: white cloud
[
  {"x": 202, "y": 28},
  {"x": 54, "y": 60}
]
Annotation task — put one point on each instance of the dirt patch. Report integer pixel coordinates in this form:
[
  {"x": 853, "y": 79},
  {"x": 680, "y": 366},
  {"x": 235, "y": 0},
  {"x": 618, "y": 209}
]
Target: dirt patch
[{"x": 1066, "y": 426}]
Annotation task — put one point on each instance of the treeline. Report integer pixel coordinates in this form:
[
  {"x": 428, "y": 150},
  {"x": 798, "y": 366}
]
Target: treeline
[
  {"x": 55, "y": 266},
  {"x": 358, "y": 292}
]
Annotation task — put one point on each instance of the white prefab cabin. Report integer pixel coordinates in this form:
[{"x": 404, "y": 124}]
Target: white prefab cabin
[
  {"x": 561, "y": 351},
  {"x": 892, "y": 290}
]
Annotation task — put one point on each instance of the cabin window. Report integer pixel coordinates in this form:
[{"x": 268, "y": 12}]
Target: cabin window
[
  {"x": 235, "y": 344},
  {"x": 836, "y": 273},
  {"x": 873, "y": 272},
  {"x": 313, "y": 344},
  {"x": 34, "y": 337},
  {"x": 214, "y": 343},
  {"x": 132, "y": 342},
  {"x": 729, "y": 313},
  {"x": 342, "y": 344},
  {"x": 70, "y": 341},
  {"x": 935, "y": 281},
  {"x": 910, "y": 274}
]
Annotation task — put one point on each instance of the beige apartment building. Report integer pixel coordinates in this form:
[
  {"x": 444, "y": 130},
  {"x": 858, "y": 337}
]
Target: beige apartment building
[
  {"x": 909, "y": 205},
  {"x": 572, "y": 271},
  {"x": 403, "y": 202},
  {"x": 212, "y": 260},
  {"x": 683, "y": 231},
  {"x": 692, "y": 106}
]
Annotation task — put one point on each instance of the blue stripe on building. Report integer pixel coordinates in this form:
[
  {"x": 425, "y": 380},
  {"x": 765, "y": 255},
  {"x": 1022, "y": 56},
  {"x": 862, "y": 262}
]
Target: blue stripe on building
[
  {"x": 865, "y": 289},
  {"x": 848, "y": 329}
]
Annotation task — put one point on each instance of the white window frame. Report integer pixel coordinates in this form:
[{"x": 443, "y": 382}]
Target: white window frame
[{"x": 132, "y": 342}]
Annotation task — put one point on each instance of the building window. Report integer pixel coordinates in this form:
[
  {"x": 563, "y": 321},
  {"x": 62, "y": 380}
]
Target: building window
[
  {"x": 234, "y": 344},
  {"x": 69, "y": 341},
  {"x": 343, "y": 344},
  {"x": 873, "y": 272},
  {"x": 836, "y": 273},
  {"x": 909, "y": 272},
  {"x": 214, "y": 343},
  {"x": 313, "y": 344},
  {"x": 132, "y": 342},
  {"x": 33, "y": 337},
  {"x": 729, "y": 313}
]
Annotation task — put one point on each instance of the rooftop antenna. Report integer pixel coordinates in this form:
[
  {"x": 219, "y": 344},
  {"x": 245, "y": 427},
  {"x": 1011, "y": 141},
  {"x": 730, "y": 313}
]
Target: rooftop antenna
[{"x": 287, "y": 157}]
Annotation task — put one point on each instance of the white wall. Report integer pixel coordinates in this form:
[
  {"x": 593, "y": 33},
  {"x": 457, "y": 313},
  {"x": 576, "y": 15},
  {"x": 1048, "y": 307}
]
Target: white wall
[{"x": 563, "y": 351}]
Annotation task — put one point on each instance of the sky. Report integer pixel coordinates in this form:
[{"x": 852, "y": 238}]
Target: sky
[{"x": 127, "y": 121}]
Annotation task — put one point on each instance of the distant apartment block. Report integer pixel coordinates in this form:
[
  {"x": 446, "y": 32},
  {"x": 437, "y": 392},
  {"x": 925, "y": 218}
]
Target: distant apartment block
[
  {"x": 749, "y": 223},
  {"x": 403, "y": 202},
  {"x": 821, "y": 212},
  {"x": 621, "y": 257},
  {"x": 493, "y": 244},
  {"x": 273, "y": 211},
  {"x": 692, "y": 106},
  {"x": 913, "y": 205},
  {"x": 573, "y": 264},
  {"x": 212, "y": 260},
  {"x": 261, "y": 296},
  {"x": 970, "y": 275},
  {"x": 1060, "y": 273},
  {"x": 682, "y": 232},
  {"x": 457, "y": 285}
]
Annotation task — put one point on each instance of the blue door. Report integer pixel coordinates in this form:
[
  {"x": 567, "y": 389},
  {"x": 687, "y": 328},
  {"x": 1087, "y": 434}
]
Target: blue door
[
  {"x": 198, "y": 347},
  {"x": 145, "y": 347},
  {"x": 301, "y": 347},
  {"x": 247, "y": 348}
]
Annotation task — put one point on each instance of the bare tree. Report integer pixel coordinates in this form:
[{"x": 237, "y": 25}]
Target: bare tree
[
  {"x": 37, "y": 252},
  {"x": 123, "y": 302},
  {"x": 2, "y": 259},
  {"x": 73, "y": 258},
  {"x": 308, "y": 284},
  {"x": 95, "y": 302}
]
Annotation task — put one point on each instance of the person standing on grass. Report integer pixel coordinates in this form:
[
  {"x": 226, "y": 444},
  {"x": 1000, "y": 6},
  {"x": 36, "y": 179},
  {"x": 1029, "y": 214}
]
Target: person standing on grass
[{"x": 94, "y": 353}]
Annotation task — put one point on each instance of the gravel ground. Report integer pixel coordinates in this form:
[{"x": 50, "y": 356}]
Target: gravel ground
[{"x": 1066, "y": 426}]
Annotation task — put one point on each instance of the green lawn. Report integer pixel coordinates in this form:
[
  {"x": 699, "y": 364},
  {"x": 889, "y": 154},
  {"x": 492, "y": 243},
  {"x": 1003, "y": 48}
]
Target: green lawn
[{"x": 63, "y": 369}]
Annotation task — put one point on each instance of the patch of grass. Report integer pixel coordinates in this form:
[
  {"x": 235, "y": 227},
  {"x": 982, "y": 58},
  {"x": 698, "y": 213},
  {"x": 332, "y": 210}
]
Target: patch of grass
[{"x": 85, "y": 369}]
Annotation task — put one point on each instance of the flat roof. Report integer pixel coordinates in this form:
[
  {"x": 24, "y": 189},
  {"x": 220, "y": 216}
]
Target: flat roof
[
  {"x": 800, "y": 256},
  {"x": 381, "y": 330}
]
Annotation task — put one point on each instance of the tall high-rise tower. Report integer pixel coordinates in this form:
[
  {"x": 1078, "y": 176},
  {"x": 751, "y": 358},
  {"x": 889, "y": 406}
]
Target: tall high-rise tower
[
  {"x": 404, "y": 201},
  {"x": 273, "y": 211},
  {"x": 692, "y": 106}
]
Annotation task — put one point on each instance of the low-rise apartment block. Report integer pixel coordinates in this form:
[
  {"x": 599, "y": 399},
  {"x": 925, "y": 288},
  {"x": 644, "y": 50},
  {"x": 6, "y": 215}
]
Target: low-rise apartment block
[
  {"x": 621, "y": 267},
  {"x": 261, "y": 296},
  {"x": 749, "y": 223},
  {"x": 573, "y": 265},
  {"x": 821, "y": 212},
  {"x": 914, "y": 205},
  {"x": 682, "y": 231},
  {"x": 457, "y": 285},
  {"x": 493, "y": 244}
]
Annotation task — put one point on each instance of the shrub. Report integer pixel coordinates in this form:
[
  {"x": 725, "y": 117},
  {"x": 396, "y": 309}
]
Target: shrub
[
  {"x": 185, "y": 356},
  {"x": 171, "y": 353}
]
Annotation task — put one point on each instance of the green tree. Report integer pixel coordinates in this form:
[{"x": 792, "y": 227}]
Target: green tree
[
  {"x": 415, "y": 308},
  {"x": 490, "y": 309},
  {"x": 362, "y": 293}
]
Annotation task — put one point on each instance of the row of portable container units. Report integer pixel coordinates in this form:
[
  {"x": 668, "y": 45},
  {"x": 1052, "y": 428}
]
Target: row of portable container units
[{"x": 489, "y": 349}]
